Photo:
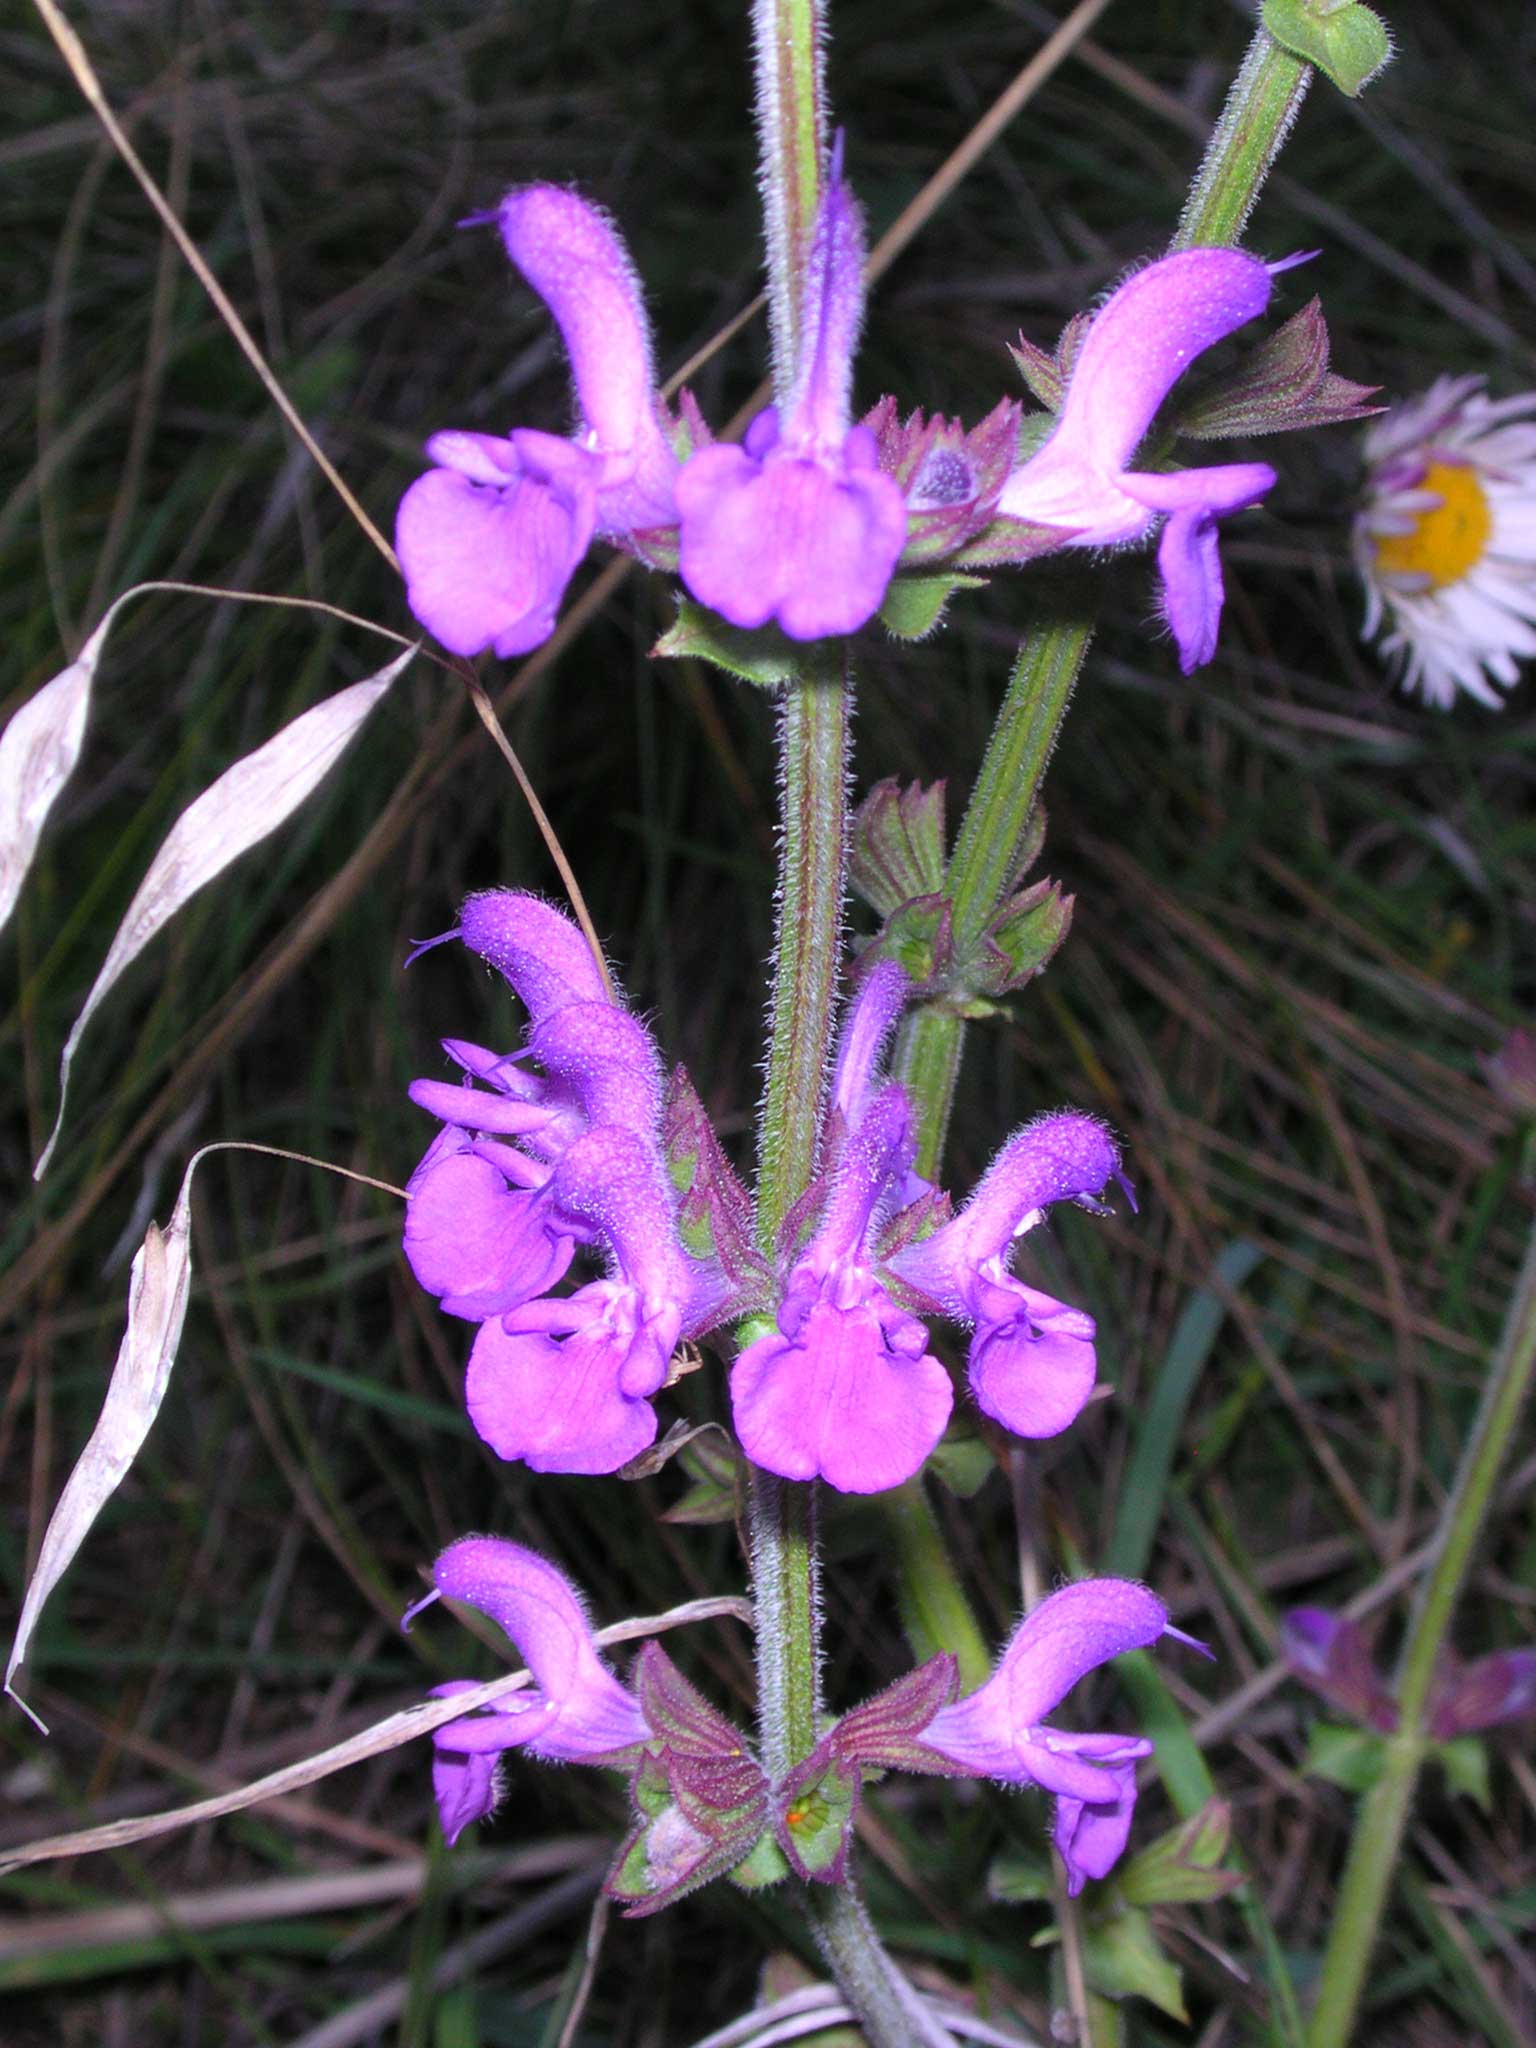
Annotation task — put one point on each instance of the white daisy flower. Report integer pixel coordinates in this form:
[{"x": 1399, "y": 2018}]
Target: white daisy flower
[{"x": 1446, "y": 539}]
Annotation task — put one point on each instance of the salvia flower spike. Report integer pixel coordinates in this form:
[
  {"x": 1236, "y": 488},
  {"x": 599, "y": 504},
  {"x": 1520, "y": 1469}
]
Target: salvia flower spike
[
  {"x": 576, "y": 1711},
  {"x": 1134, "y": 351}
]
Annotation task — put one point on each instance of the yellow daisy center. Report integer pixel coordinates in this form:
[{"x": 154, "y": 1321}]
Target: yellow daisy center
[{"x": 1449, "y": 539}]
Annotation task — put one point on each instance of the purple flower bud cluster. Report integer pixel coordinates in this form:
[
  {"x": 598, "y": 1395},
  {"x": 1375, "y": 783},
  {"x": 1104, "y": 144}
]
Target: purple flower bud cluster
[
  {"x": 805, "y": 523},
  {"x": 701, "y": 1798}
]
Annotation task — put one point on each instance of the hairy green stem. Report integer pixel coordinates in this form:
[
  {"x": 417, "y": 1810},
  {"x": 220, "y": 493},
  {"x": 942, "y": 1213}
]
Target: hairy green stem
[
  {"x": 997, "y": 819},
  {"x": 781, "y": 1516},
  {"x": 788, "y": 39},
  {"x": 1265, "y": 98},
  {"x": 1384, "y": 1813},
  {"x": 808, "y": 938},
  {"x": 891, "y": 2014},
  {"x": 789, "y": 44}
]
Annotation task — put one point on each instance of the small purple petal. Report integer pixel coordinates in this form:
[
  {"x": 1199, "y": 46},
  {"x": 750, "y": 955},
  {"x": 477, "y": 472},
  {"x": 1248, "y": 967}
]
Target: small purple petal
[
  {"x": 867, "y": 1026},
  {"x": 1188, "y": 557},
  {"x": 556, "y": 1402},
  {"x": 1056, "y": 1158},
  {"x": 542, "y": 953},
  {"x": 1329, "y": 1653},
  {"x": 1135, "y": 350},
  {"x": 1059, "y": 1642},
  {"x": 486, "y": 564},
  {"x": 477, "y": 1244},
  {"x": 1091, "y": 1836},
  {"x": 1486, "y": 1693},
  {"x": 607, "y": 1059},
  {"x": 466, "y": 1788},
  {"x": 832, "y": 310},
  {"x": 810, "y": 543},
  {"x": 843, "y": 1403},
  {"x": 615, "y": 1181},
  {"x": 1034, "y": 1370}
]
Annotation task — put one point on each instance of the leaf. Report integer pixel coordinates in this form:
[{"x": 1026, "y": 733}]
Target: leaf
[
  {"x": 679, "y": 1713},
  {"x": 885, "y": 1731},
  {"x": 815, "y": 1806},
  {"x": 764, "y": 656},
  {"x": 1465, "y": 1762},
  {"x": 247, "y": 803},
  {"x": 961, "y": 1463},
  {"x": 1351, "y": 1757},
  {"x": 1019, "y": 1880},
  {"x": 1157, "y": 1440},
  {"x": 913, "y": 605},
  {"x": 1183, "y": 1866},
  {"x": 1347, "y": 41},
  {"x": 897, "y": 844},
  {"x": 157, "y": 1309},
  {"x": 1122, "y": 1959},
  {"x": 711, "y": 1463}
]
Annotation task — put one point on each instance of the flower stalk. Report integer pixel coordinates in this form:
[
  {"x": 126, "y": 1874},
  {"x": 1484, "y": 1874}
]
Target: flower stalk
[
  {"x": 789, "y": 42},
  {"x": 1383, "y": 1816},
  {"x": 1265, "y": 99}
]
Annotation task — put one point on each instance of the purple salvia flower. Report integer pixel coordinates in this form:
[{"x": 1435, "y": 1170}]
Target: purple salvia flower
[
  {"x": 481, "y": 1231},
  {"x": 844, "y": 1387},
  {"x": 1032, "y": 1359},
  {"x": 489, "y": 539},
  {"x": 1484, "y": 1694},
  {"x": 576, "y": 1711},
  {"x": 1134, "y": 351},
  {"x": 1330, "y": 1654},
  {"x": 564, "y": 1383},
  {"x": 999, "y": 1732},
  {"x": 799, "y": 524}
]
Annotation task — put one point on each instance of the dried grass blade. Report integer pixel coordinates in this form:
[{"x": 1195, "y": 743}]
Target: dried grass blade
[
  {"x": 246, "y": 804},
  {"x": 157, "y": 1309},
  {"x": 38, "y": 752},
  {"x": 384, "y": 1735}
]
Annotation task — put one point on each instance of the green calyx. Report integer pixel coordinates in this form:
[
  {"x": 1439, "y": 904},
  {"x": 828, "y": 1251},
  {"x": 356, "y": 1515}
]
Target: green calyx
[{"x": 1346, "y": 41}]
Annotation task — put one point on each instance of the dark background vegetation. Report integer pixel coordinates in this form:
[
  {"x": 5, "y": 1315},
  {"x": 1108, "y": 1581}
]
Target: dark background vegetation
[{"x": 1303, "y": 914}]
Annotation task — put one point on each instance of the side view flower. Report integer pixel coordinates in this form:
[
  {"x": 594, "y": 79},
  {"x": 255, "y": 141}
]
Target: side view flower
[
  {"x": 1445, "y": 540},
  {"x": 576, "y": 1711},
  {"x": 1127, "y": 362},
  {"x": 533, "y": 1166},
  {"x": 490, "y": 537},
  {"x": 1000, "y": 1732},
  {"x": 1331, "y": 1655}
]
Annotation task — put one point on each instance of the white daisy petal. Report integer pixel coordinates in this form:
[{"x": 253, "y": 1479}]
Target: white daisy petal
[{"x": 1445, "y": 540}]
